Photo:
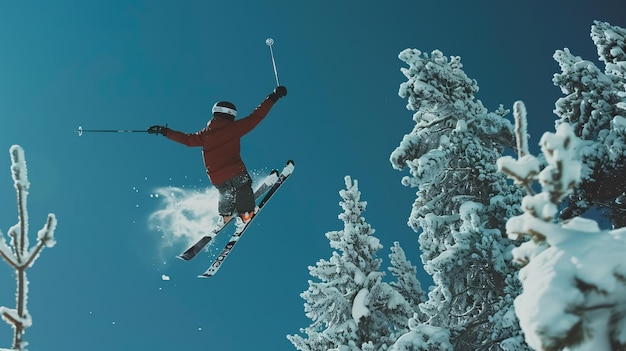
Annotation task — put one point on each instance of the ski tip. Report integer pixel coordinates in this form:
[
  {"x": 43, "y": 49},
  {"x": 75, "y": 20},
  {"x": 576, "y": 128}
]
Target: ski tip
[
  {"x": 272, "y": 177},
  {"x": 288, "y": 168},
  {"x": 182, "y": 257},
  {"x": 204, "y": 275}
]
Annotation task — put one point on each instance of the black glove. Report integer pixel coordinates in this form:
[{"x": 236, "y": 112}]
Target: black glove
[
  {"x": 157, "y": 130},
  {"x": 279, "y": 92}
]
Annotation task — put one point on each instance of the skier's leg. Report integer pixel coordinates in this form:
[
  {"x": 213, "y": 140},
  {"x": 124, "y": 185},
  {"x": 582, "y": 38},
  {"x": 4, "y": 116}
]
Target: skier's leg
[
  {"x": 226, "y": 204},
  {"x": 247, "y": 204},
  {"x": 244, "y": 202}
]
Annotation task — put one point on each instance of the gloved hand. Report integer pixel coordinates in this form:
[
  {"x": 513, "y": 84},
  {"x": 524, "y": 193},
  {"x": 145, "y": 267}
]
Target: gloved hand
[
  {"x": 157, "y": 130},
  {"x": 279, "y": 92}
]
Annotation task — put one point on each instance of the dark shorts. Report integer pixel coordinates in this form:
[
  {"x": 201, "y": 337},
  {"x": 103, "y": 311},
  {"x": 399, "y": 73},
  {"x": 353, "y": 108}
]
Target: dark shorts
[{"x": 236, "y": 195}]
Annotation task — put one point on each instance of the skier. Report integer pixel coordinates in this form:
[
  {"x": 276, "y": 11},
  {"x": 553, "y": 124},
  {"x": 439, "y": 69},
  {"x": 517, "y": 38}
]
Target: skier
[{"x": 220, "y": 142}]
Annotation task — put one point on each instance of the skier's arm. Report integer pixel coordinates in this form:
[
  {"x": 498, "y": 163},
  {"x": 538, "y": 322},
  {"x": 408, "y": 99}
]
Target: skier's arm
[
  {"x": 193, "y": 139},
  {"x": 248, "y": 123}
]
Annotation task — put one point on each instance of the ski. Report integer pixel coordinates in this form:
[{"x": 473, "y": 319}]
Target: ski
[
  {"x": 217, "y": 263},
  {"x": 193, "y": 250}
]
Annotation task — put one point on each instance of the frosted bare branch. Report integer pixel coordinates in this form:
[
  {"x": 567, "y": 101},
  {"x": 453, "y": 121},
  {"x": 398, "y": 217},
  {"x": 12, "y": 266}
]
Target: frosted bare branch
[{"x": 18, "y": 254}]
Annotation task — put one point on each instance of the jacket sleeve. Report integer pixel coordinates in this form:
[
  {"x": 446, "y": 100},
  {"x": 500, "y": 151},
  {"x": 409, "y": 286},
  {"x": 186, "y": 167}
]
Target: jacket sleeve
[
  {"x": 193, "y": 139},
  {"x": 246, "y": 124}
]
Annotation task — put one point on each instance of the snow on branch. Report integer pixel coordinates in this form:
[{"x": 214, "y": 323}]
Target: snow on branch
[
  {"x": 526, "y": 167},
  {"x": 423, "y": 337},
  {"x": 557, "y": 179},
  {"x": 18, "y": 254},
  {"x": 519, "y": 113},
  {"x": 574, "y": 274}
]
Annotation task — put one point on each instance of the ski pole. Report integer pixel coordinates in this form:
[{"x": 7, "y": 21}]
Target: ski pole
[
  {"x": 80, "y": 131},
  {"x": 270, "y": 42}
]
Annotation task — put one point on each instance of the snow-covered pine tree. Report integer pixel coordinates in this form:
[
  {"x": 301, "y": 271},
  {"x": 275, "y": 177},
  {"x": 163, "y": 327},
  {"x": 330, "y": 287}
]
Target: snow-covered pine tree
[
  {"x": 462, "y": 203},
  {"x": 406, "y": 282},
  {"x": 18, "y": 254},
  {"x": 595, "y": 105},
  {"x": 352, "y": 309}
]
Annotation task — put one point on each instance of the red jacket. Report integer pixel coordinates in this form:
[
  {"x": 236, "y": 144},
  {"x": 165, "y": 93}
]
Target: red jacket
[{"x": 220, "y": 142}]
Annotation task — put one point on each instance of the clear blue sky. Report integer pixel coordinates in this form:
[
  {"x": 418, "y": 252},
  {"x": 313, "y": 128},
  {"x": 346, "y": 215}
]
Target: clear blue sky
[{"x": 132, "y": 64}]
